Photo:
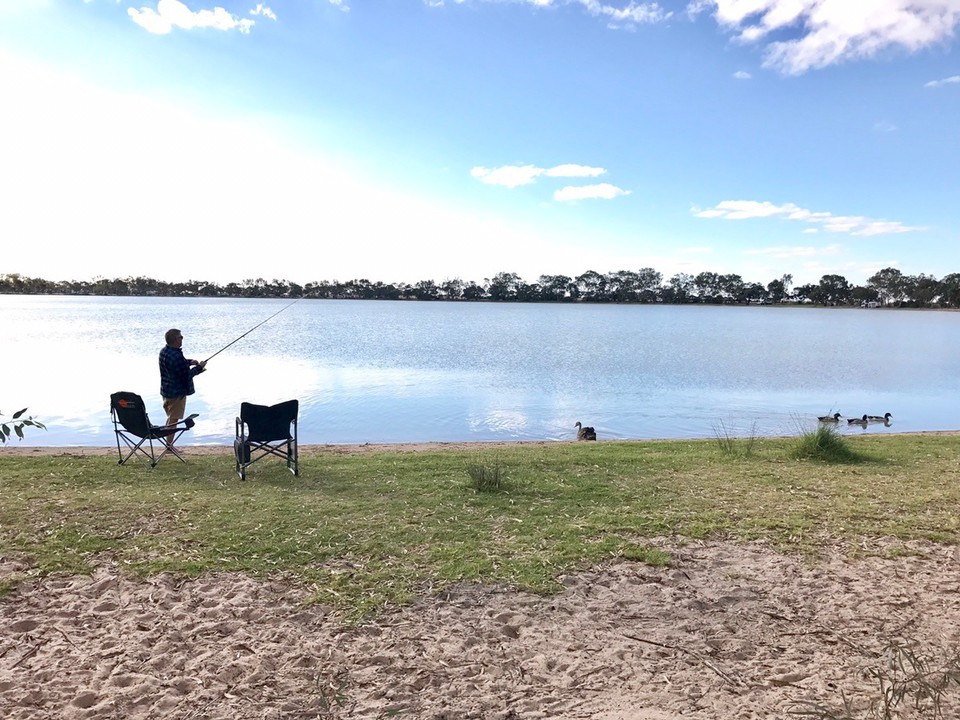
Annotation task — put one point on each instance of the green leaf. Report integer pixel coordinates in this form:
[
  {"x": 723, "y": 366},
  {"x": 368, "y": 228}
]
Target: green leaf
[
  {"x": 19, "y": 413},
  {"x": 19, "y": 431}
]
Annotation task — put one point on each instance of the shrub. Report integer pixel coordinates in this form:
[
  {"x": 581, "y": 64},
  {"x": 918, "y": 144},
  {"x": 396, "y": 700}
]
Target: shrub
[{"x": 824, "y": 443}]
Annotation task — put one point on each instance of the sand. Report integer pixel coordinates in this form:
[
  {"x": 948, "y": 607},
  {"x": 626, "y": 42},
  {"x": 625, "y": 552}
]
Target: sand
[{"x": 728, "y": 631}]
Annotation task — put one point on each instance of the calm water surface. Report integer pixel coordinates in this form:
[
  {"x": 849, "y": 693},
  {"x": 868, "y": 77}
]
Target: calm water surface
[{"x": 368, "y": 371}]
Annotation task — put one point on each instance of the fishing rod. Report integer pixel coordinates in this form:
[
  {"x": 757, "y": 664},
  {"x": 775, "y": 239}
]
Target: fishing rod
[{"x": 252, "y": 329}]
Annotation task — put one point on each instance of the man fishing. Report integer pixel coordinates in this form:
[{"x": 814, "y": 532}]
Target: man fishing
[{"x": 176, "y": 378}]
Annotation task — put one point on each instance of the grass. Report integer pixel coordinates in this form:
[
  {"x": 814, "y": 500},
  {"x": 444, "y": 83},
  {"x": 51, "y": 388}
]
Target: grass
[
  {"x": 732, "y": 444},
  {"x": 365, "y": 530},
  {"x": 827, "y": 444},
  {"x": 487, "y": 478},
  {"x": 906, "y": 678}
]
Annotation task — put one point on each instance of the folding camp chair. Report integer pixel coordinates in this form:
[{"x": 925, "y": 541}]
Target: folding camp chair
[
  {"x": 133, "y": 427},
  {"x": 262, "y": 431}
]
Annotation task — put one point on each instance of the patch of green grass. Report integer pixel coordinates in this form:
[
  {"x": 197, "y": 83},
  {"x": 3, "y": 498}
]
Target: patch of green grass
[
  {"x": 369, "y": 528},
  {"x": 825, "y": 443},
  {"x": 486, "y": 478}
]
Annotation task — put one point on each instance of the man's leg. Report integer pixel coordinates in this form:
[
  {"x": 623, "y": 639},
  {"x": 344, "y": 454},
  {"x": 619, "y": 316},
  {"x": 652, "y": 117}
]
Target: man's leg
[{"x": 175, "y": 408}]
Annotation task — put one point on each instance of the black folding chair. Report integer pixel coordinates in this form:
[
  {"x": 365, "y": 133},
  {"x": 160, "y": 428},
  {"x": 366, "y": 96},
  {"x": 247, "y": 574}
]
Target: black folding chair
[
  {"x": 267, "y": 430},
  {"x": 134, "y": 429}
]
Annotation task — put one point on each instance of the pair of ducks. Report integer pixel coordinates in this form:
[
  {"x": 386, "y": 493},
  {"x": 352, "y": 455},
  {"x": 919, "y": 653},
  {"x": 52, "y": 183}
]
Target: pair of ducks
[{"x": 885, "y": 418}]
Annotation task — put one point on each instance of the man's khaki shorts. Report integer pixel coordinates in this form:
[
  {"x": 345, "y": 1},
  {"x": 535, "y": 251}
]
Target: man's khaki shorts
[{"x": 175, "y": 407}]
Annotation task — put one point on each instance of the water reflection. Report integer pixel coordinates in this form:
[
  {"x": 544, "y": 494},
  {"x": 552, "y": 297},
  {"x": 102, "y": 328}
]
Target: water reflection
[{"x": 407, "y": 372}]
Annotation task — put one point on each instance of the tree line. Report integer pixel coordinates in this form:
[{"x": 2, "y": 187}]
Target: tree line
[{"x": 888, "y": 287}]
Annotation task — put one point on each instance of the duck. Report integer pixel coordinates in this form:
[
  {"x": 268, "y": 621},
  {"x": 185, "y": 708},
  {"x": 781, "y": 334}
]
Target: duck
[
  {"x": 857, "y": 421},
  {"x": 829, "y": 418},
  {"x": 885, "y": 418},
  {"x": 585, "y": 432}
]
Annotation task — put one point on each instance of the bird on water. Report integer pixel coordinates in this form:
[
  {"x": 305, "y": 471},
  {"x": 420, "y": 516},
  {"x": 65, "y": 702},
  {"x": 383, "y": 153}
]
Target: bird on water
[
  {"x": 829, "y": 418},
  {"x": 585, "y": 433}
]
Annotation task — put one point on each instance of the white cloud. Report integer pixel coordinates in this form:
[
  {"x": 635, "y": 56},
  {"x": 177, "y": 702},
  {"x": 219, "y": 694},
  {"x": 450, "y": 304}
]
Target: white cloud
[
  {"x": 953, "y": 80},
  {"x": 262, "y": 9},
  {"x": 509, "y": 176},
  {"x": 742, "y": 75},
  {"x": 512, "y": 176},
  {"x": 172, "y": 14},
  {"x": 832, "y": 31},
  {"x": 847, "y": 224},
  {"x": 601, "y": 191},
  {"x": 570, "y": 170},
  {"x": 633, "y": 14}
]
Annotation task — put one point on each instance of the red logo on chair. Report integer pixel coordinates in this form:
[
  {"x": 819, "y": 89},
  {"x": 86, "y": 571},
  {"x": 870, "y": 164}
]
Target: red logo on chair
[{"x": 124, "y": 403}]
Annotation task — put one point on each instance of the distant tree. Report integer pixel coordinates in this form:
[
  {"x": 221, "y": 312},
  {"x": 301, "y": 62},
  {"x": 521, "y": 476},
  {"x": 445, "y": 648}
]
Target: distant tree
[
  {"x": 889, "y": 285},
  {"x": 649, "y": 283},
  {"x": 592, "y": 286},
  {"x": 709, "y": 287},
  {"x": 832, "y": 290},
  {"x": 426, "y": 290},
  {"x": 622, "y": 286},
  {"x": 451, "y": 289},
  {"x": 755, "y": 293},
  {"x": 779, "y": 290},
  {"x": 863, "y": 294},
  {"x": 679, "y": 289},
  {"x": 804, "y": 293},
  {"x": 731, "y": 288},
  {"x": 950, "y": 290},
  {"x": 472, "y": 291},
  {"x": 554, "y": 287},
  {"x": 921, "y": 289},
  {"x": 503, "y": 286}
]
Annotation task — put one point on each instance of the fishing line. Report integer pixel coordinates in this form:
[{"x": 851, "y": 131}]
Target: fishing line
[{"x": 252, "y": 329}]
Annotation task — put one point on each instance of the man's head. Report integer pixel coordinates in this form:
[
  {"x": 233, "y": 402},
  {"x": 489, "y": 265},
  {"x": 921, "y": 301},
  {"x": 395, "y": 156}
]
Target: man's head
[{"x": 174, "y": 337}]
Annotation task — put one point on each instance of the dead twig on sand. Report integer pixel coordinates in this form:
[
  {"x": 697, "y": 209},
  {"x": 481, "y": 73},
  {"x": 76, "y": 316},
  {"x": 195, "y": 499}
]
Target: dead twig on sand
[
  {"x": 28, "y": 654},
  {"x": 726, "y": 677}
]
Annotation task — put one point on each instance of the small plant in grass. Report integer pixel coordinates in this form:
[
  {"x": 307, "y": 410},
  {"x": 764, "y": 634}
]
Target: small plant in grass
[
  {"x": 732, "y": 445},
  {"x": 824, "y": 443},
  {"x": 486, "y": 478},
  {"x": 906, "y": 678}
]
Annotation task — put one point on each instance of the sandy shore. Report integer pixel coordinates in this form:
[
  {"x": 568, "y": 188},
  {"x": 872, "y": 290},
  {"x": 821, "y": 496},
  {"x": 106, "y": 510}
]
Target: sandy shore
[
  {"x": 13, "y": 449},
  {"x": 729, "y": 631}
]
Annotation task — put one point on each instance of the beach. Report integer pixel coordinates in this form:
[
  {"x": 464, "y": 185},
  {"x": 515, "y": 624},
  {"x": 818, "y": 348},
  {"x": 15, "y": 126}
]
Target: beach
[{"x": 728, "y": 630}]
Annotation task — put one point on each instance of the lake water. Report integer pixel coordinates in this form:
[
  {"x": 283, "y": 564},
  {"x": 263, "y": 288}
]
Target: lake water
[{"x": 379, "y": 372}]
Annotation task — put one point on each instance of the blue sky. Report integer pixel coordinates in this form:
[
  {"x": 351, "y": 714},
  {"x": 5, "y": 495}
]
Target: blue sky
[{"x": 403, "y": 140}]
